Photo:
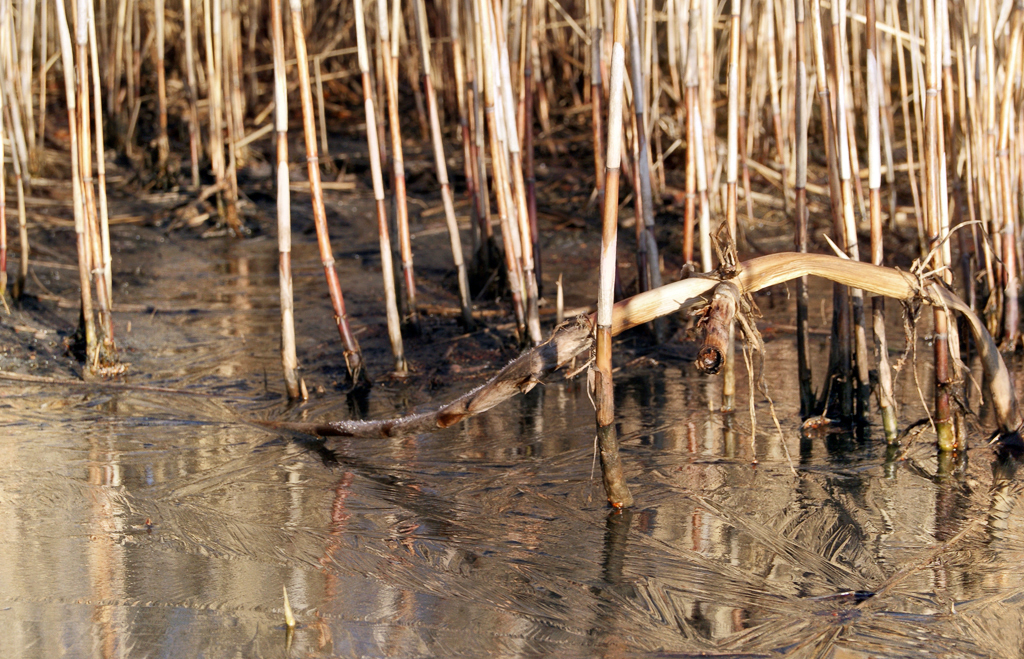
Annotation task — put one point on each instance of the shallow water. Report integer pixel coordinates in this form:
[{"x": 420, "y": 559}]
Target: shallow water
[{"x": 147, "y": 524}]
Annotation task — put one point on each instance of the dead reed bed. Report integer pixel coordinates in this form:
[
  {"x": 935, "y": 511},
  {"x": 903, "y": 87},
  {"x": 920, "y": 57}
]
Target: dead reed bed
[{"x": 914, "y": 145}]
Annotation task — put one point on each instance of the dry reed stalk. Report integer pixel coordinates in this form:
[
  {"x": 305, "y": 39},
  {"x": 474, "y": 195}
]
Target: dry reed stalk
[
  {"x": 353, "y": 356},
  {"x": 135, "y": 54},
  {"x": 947, "y": 64},
  {"x": 849, "y": 234},
  {"x": 990, "y": 196},
  {"x": 693, "y": 155},
  {"x": 19, "y": 183},
  {"x": 114, "y": 69},
  {"x": 19, "y": 283},
  {"x": 441, "y": 166},
  {"x": 215, "y": 109},
  {"x": 742, "y": 91},
  {"x": 801, "y": 117},
  {"x": 475, "y": 109},
  {"x": 611, "y": 466},
  {"x": 852, "y": 98},
  {"x": 648, "y": 263},
  {"x": 918, "y": 86},
  {"x": 503, "y": 194},
  {"x": 1011, "y": 315},
  {"x": 321, "y": 113},
  {"x": 945, "y": 424},
  {"x": 3, "y": 192},
  {"x": 289, "y": 360},
  {"x": 704, "y": 223},
  {"x": 672, "y": 37},
  {"x": 26, "y": 32},
  {"x": 514, "y": 174},
  {"x": 43, "y": 58},
  {"x": 84, "y": 257},
  {"x": 728, "y": 352},
  {"x": 968, "y": 128},
  {"x": 230, "y": 56},
  {"x": 884, "y": 58},
  {"x": 101, "y": 161},
  {"x": 12, "y": 89},
  {"x": 461, "y": 89},
  {"x": 781, "y": 150},
  {"x": 397, "y": 165},
  {"x": 706, "y": 85},
  {"x": 528, "y": 117},
  {"x": 907, "y": 124},
  {"x": 886, "y": 401},
  {"x": 733, "y": 100},
  {"x": 841, "y": 354},
  {"x": 163, "y": 146},
  {"x": 94, "y": 241},
  {"x": 190, "y": 91},
  {"x": 387, "y": 271},
  {"x": 596, "y": 96}
]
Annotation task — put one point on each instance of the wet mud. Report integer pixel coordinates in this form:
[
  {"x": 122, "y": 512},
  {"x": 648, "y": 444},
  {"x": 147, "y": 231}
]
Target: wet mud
[{"x": 150, "y": 517}]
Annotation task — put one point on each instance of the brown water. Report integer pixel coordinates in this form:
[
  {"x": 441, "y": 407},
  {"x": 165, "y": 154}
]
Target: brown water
[{"x": 146, "y": 524}]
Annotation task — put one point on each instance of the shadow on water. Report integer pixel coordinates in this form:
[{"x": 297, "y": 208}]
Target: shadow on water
[{"x": 142, "y": 524}]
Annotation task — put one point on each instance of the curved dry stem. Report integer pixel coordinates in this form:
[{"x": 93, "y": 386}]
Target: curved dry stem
[{"x": 576, "y": 337}]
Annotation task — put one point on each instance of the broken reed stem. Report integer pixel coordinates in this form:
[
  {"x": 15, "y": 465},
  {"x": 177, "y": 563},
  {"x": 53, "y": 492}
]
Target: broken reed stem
[
  {"x": 353, "y": 356},
  {"x": 289, "y": 360},
  {"x": 397, "y": 166},
  {"x": 717, "y": 324},
  {"x": 611, "y": 466},
  {"x": 575, "y": 338},
  {"x": 390, "y": 298},
  {"x": 441, "y": 165}
]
